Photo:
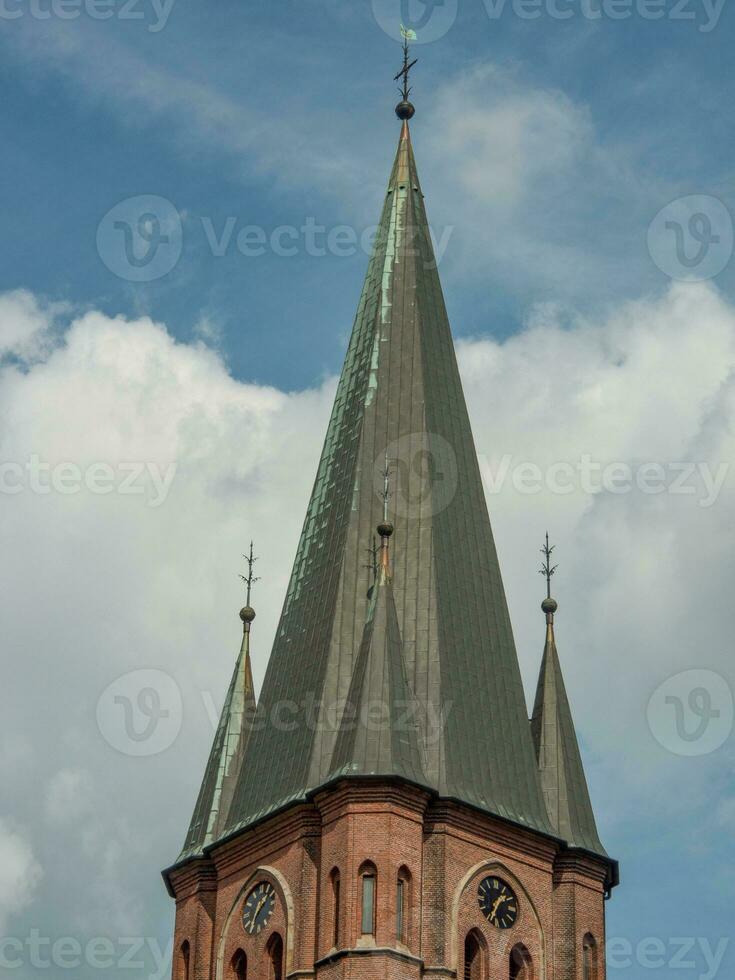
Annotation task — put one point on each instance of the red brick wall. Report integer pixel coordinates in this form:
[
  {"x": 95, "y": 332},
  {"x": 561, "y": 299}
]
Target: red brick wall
[{"x": 448, "y": 849}]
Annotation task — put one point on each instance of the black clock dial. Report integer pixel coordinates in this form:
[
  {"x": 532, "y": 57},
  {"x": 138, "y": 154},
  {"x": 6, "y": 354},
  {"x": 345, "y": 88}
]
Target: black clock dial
[
  {"x": 498, "y": 902},
  {"x": 259, "y": 906}
]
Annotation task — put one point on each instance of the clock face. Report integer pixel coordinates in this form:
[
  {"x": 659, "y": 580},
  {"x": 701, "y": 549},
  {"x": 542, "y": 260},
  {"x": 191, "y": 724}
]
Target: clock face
[
  {"x": 497, "y": 902},
  {"x": 259, "y": 906}
]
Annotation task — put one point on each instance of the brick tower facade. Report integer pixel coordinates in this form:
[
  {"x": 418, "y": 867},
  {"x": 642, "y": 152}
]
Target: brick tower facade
[{"x": 387, "y": 809}]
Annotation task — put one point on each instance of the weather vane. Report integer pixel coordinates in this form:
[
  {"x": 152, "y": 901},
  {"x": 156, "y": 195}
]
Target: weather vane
[
  {"x": 547, "y": 568},
  {"x": 408, "y": 35},
  {"x": 250, "y": 579}
]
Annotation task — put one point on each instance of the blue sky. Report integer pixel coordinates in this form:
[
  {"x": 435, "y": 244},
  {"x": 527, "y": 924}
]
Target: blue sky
[{"x": 546, "y": 147}]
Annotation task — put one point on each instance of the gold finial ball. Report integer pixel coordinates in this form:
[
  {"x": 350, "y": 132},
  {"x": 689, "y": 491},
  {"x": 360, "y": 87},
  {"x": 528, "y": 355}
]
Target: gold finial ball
[
  {"x": 405, "y": 109},
  {"x": 385, "y": 529},
  {"x": 247, "y": 614},
  {"x": 549, "y": 606}
]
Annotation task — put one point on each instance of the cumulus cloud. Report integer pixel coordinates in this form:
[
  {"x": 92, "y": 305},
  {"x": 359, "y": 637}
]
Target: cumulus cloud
[
  {"x": 20, "y": 872},
  {"x": 24, "y": 325},
  {"x": 105, "y": 587},
  {"x": 532, "y": 183}
]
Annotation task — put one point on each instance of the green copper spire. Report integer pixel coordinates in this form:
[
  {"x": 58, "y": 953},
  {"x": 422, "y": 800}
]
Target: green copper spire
[
  {"x": 557, "y": 751},
  {"x": 230, "y": 742},
  {"x": 445, "y": 614}
]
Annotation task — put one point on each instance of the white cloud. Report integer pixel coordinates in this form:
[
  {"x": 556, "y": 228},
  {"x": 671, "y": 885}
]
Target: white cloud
[
  {"x": 69, "y": 796},
  {"x": 20, "y": 873},
  {"x": 24, "y": 325},
  {"x": 520, "y": 171}
]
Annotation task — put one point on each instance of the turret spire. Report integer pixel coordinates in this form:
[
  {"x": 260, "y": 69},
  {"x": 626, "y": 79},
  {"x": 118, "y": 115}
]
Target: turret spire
[
  {"x": 230, "y": 739},
  {"x": 557, "y": 751}
]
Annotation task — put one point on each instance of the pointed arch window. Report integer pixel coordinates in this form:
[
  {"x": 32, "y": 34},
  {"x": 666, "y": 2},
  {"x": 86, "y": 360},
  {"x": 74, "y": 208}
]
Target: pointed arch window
[
  {"x": 182, "y": 971},
  {"x": 403, "y": 905},
  {"x": 275, "y": 957},
  {"x": 475, "y": 967},
  {"x": 368, "y": 892},
  {"x": 521, "y": 964},
  {"x": 239, "y": 966},
  {"x": 335, "y": 880},
  {"x": 590, "y": 957}
]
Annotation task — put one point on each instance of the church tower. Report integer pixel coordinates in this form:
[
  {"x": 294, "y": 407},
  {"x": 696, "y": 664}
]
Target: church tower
[{"x": 388, "y": 810}]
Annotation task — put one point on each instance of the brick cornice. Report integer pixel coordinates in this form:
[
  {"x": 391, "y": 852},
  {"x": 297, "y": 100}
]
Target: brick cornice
[
  {"x": 375, "y": 797},
  {"x": 446, "y": 816},
  {"x": 257, "y": 843},
  {"x": 580, "y": 868},
  {"x": 197, "y": 876}
]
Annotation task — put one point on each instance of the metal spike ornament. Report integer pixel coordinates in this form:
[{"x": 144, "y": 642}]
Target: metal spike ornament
[
  {"x": 405, "y": 109},
  {"x": 247, "y": 613},
  {"x": 549, "y": 605}
]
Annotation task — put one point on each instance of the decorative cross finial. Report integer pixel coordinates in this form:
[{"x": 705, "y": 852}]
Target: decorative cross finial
[
  {"x": 404, "y": 109},
  {"x": 547, "y": 568},
  {"x": 250, "y": 579},
  {"x": 386, "y": 488},
  {"x": 385, "y": 528}
]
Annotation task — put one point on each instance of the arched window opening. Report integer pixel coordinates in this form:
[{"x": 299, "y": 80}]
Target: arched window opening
[
  {"x": 589, "y": 957},
  {"x": 239, "y": 966},
  {"x": 403, "y": 905},
  {"x": 521, "y": 964},
  {"x": 275, "y": 956},
  {"x": 474, "y": 958},
  {"x": 335, "y": 906},
  {"x": 183, "y": 961},
  {"x": 369, "y": 878}
]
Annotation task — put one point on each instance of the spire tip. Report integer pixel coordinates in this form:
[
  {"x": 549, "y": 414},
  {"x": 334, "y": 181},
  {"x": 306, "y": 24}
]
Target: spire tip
[
  {"x": 549, "y": 605},
  {"x": 405, "y": 109}
]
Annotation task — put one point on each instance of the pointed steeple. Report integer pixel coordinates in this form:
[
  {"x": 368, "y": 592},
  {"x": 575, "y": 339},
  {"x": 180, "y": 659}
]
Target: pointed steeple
[
  {"x": 230, "y": 742},
  {"x": 557, "y": 750},
  {"x": 379, "y": 734},
  {"x": 399, "y": 394}
]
